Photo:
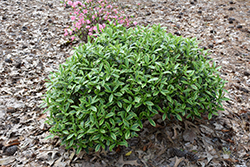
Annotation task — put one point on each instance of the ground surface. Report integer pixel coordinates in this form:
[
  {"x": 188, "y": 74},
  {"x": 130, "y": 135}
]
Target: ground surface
[{"x": 32, "y": 45}]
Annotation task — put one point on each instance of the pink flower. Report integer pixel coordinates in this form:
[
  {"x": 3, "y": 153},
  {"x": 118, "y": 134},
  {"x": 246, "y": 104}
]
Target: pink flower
[
  {"x": 72, "y": 38},
  {"x": 73, "y": 18},
  {"x": 138, "y": 4},
  {"x": 87, "y": 27},
  {"x": 93, "y": 17},
  {"x": 66, "y": 33},
  {"x": 120, "y": 21},
  {"x": 85, "y": 11},
  {"x": 88, "y": 22},
  {"x": 135, "y": 23},
  {"x": 90, "y": 34},
  {"x": 95, "y": 28},
  {"x": 70, "y": 3},
  {"x": 103, "y": 25},
  {"x": 109, "y": 6}
]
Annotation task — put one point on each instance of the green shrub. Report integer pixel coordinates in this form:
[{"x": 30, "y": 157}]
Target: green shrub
[{"x": 100, "y": 96}]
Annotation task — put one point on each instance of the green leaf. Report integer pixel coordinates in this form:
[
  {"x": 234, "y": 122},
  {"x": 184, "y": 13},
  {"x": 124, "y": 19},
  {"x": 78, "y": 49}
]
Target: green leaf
[
  {"x": 164, "y": 116},
  {"x": 70, "y": 136},
  {"x": 137, "y": 99},
  {"x": 128, "y": 108},
  {"x": 113, "y": 136},
  {"x": 50, "y": 136},
  {"x": 93, "y": 108},
  {"x": 91, "y": 131},
  {"x": 178, "y": 117},
  {"x": 149, "y": 103},
  {"x": 119, "y": 104},
  {"x": 194, "y": 87},
  {"x": 101, "y": 121},
  {"x": 123, "y": 143},
  {"x": 79, "y": 149},
  {"x": 60, "y": 99},
  {"x": 102, "y": 131},
  {"x": 170, "y": 99},
  {"x": 97, "y": 148},
  {"x": 111, "y": 98},
  {"x": 109, "y": 115},
  {"x": 127, "y": 134},
  {"x": 152, "y": 122},
  {"x": 210, "y": 116},
  {"x": 165, "y": 92},
  {"x": 153, "y": 79}
]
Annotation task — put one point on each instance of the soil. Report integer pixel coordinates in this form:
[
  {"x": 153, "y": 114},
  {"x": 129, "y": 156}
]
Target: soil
[{"x": 32, "y": 45}]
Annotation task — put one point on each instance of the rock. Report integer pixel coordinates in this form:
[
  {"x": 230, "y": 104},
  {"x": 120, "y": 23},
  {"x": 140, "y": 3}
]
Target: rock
[
  {"x": 210, "y": 46},
  {"x": 18, "y": 105},
  {"x": 192, "y": 2},
  {"x": 18, "y": 65},
  {"x": 24, "y": 28},
  {"x": 246, "y": 73},
  {"x": 4, "y": 17},
  {"x": 148, "y": 13},
  {"x": 212, "y": 31},
  {"x": 8, "y": 60},
  {"x": 50, "y": 21},
  {"x": 199, "y": 11},
  {"x": 231, "y": 2},
  {"x": 231, "y": 8},
  {"x": 10, "y": 150},
  {"x": 239, "y": 26},
  {"x": 177, "y": 33},
  {"x": 231, "y": 19},
  {"x": 24, "y": 47}
]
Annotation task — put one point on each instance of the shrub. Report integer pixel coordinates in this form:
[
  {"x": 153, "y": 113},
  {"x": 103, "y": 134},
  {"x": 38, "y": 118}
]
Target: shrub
[
  {"x": 91, "y": 17},
  {"x": 101, "y": 95}
]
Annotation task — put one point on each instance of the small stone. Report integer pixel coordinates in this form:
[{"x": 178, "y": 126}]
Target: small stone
[
  {"x": 24, "y": 47},
  {"x": 248, "y": 11},
  {"x": 18, "y": 65},
  {"x": 45, "y": 29},
  {"x": 148, "y": 13},
  {"x": 239, "y": 26},
  {"x": 231, "y": 22},
  {"x": 246, "y": 73},
  {"x": 4, "y": 17},
  {"x": 179, "y": 16},
  {"x": 199, "y": 11},
  {"x": 212, "y": 31},
  {"x": 231, "y": 2},
  {"x": 231, "y": 8},
  {"x": 192, "y": 2},
  {"x": 10, "y": 150},
  {"x": 210, "y": 45},
  {"x": 8, "y": 60},
  {"x": 180, "y": 13},
  {"x": 177, "y": 33},
  {"x": 50, "y": 21},
  {"x": 231, "y": 19},
  {"x": 24, "y": 28}
]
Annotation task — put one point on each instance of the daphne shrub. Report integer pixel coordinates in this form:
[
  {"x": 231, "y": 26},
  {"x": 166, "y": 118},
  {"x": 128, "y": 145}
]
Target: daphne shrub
[{"x": 102, "y": 94}]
